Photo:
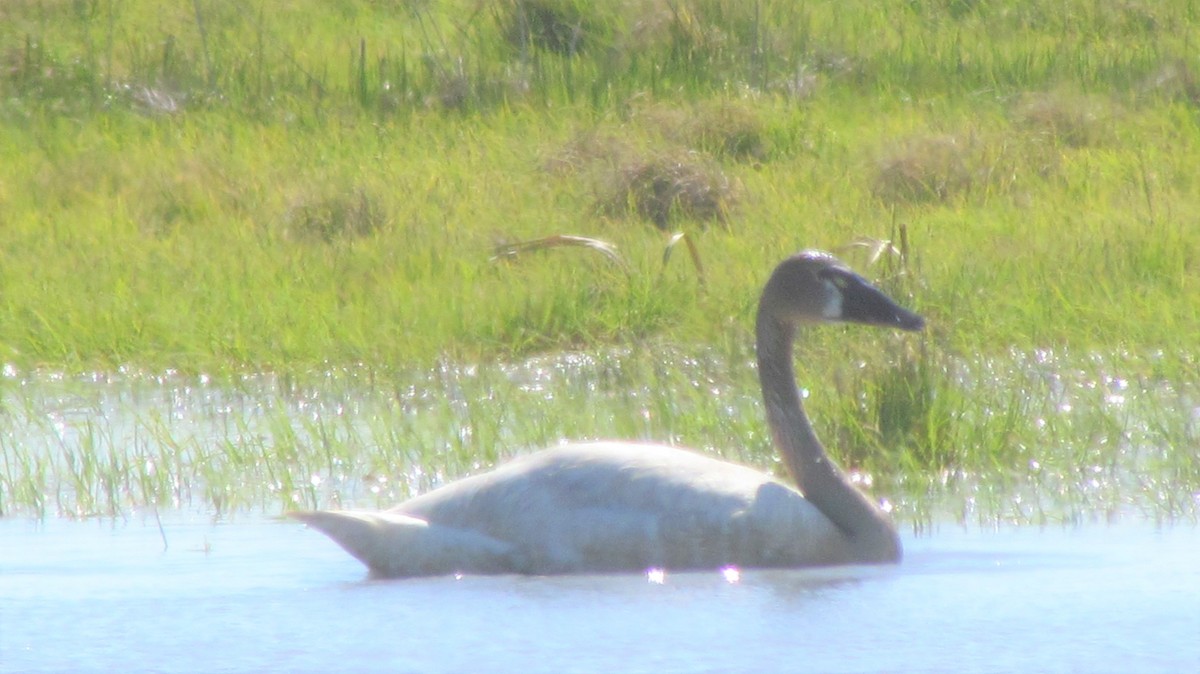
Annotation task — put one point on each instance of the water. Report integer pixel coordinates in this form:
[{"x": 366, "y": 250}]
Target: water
[
  {"x": 234, "y": 591},
  {"x": 258, "y": 594}
]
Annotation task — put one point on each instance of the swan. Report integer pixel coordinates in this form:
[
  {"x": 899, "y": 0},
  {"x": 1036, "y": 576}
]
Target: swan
[{"x": 605, "y": 507}]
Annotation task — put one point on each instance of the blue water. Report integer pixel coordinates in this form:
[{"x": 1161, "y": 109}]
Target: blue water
[{"x": 257, "y": 594}]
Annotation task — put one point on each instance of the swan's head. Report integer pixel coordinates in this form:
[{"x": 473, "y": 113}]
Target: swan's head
[{"x": 816, "y": 287}]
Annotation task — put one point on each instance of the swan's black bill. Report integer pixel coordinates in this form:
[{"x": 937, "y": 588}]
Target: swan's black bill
[{"x": 864, "y": 303}]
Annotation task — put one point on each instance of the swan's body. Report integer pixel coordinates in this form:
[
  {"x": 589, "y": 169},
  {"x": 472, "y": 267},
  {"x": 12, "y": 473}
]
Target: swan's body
[
  {"x": 609, "y": 506},
  {"x": 625, "y": 506}
]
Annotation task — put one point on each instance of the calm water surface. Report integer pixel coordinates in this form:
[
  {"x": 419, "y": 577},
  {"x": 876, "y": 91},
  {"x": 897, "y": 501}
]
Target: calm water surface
[
  {"x": 251, "y": 593},
  {"x": 257, "y": 594}
]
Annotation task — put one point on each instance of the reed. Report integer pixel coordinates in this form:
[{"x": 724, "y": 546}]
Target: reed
[{"x": 1033, "y": 438}]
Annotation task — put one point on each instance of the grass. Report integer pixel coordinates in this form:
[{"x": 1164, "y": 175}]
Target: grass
[
  {"x": 211, "y": 188},
  {"x": 279, "y": 217},
  {"x": 1027, "y": 439}
]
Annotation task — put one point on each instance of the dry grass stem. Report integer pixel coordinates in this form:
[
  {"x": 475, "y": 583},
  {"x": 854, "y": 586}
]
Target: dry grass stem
[
  {"x": 693, "y": 253},
  {"x": 512, "y": 250}
]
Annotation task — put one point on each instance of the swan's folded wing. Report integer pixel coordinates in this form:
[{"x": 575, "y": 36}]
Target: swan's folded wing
[{"x": 613, "y": 506}]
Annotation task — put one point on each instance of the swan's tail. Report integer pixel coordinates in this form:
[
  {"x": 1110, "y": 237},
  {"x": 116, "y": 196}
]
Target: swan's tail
[{"x": 394, "y": 545}]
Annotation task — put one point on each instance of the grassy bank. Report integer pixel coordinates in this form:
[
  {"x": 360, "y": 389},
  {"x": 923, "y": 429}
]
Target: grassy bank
[
  {"x": 226, "y": 187},
  {"x": 217, "y": 185}
]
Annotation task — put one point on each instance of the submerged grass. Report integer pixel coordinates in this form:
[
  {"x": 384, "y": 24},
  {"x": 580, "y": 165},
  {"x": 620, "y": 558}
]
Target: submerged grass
[
  {"x": 210, "y": 188},
  {"x": 1027, "y": 438}
]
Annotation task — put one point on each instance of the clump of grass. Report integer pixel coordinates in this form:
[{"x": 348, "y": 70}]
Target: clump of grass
[
  {"x": 452, "y": 90},
  {"x": 1008, "y": 163},
  {"x": 941, "y": 168},
  {"x": 725, "y": 129},
  {"x": 730, "y": 130},
  {"x": 584, "y": 150},
  {"x": 1067, "y": 119},
  {"x": 33, "y": 76},
  {"x": 564, "y": 27},
  {"x": 456, "y": 85},
  {"x": 714, "y": 40},
  {"x": 1175, "y": 79},
  {"x": 722, "y": 129},
  {"x": 337, "y": 214},
  {"x": 663, "y": 187},
  {"x": 923, "y": 168},
  {"x": 189, "y": 192},
  {"x": 912, "y": 409}
]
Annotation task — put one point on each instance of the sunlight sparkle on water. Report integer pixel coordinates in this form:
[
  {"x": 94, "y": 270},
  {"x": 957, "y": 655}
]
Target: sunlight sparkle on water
[
  {"x": 145, "y": 426},
  {"x": 656, "y": 576},
  {"x": 731, "y": 574}
]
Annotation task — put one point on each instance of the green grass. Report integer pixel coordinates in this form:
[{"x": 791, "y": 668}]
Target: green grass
[
  {"x": 213, "y": 187},
  {"x": 1027, "y": 438}
]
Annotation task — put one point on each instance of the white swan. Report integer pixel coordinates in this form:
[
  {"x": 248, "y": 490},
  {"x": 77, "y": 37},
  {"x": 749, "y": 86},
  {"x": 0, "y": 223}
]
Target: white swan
[{"x": 627, "y": 506}]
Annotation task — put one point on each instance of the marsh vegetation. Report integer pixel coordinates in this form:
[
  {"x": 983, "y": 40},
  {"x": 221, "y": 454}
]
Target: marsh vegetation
[{"x": 247, "y": 257}]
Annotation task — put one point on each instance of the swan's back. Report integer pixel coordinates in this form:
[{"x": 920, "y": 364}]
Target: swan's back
[{"x": 594, "y": 508}]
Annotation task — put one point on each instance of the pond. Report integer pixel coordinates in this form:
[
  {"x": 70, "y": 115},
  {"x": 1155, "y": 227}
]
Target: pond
[
  {"x": 258, "y": 594},
  {"x": 140, "y": 528}
]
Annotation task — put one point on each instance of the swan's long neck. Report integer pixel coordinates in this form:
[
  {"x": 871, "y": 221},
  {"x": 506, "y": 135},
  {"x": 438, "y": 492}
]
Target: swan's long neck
[{"x": 822, "y": 482}]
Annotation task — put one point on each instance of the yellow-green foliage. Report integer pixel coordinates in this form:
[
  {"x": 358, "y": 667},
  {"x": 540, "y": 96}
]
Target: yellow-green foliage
[{"x": 212, "y": 184}]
